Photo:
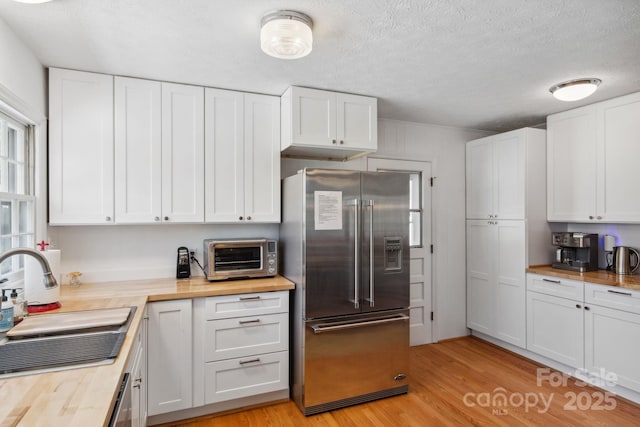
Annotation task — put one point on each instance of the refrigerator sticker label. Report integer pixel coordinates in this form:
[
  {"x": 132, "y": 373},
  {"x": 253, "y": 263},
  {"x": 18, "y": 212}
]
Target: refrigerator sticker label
[{"x": 328, "y": 210}]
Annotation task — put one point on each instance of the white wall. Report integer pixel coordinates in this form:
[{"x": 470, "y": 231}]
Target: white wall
[{"x": 22, "y": 77}]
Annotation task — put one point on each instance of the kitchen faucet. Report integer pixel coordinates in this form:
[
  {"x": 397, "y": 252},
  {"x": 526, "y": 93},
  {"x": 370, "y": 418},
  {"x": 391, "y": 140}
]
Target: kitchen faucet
[{"x": 48, "y": 279}]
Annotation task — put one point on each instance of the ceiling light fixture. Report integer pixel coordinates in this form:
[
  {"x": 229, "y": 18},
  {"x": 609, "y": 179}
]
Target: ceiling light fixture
[
  {"x": 574, "y": 90},
  {"x": 286, "y": 34}
]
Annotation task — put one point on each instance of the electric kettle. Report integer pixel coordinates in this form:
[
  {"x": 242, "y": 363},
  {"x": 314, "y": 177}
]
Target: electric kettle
[{"x": 622, "y": 260}]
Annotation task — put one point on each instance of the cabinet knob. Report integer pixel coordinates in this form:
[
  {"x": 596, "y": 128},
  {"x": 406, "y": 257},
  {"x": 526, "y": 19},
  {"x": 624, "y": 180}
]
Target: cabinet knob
[
  {"x": 587, "y": 308},
  {"x": 108, "y": 219},
  {"x": 598, "y": 217},
  {"x": 578, "y": 306},
  {"x": 156, "y": 218},
  {"x": 333, "y": 141},
  {"x": 166, "y": 218},
  {"x": 590, "y": 216},
  {"x": 248, "y": 218},
  {"x": 240, "y": 218},
  {"x": 341, "y": 142},
  {"x": 495, "y": 216}
]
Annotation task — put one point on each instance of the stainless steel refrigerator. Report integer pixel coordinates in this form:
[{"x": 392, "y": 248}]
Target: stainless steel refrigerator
[{"x": 344, "y": 237}]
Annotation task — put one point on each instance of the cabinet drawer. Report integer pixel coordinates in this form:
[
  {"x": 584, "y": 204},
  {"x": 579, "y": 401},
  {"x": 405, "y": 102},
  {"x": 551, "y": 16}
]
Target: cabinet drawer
[
  {"x": 244, "y": 336},
  {"x": 556, "y": 286},
  {"x": 246, "y": 376},
  {"x": 227, "y": 306},
  {"x": 612, "y": 297}
]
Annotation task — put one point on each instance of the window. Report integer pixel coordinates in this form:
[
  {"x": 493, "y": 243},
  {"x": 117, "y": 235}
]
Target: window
[
  {"x": 415, "y": 209},
  {"x": 16, "y": 191}
]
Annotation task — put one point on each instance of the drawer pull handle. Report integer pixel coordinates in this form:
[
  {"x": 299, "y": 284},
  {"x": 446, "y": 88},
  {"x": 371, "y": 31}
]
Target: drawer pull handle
[
  {"x": 619, "y": 293},
  {"x": 244, "y": 322},
  {"x": 551, "y": 281},
  {"x": 249, "y": 298},
  {"x": 244, "y": 362}
]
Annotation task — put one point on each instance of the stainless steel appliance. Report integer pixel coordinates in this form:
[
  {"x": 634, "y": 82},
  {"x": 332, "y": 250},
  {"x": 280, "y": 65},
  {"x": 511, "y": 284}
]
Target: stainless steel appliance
[
  {"x": 575, "y": 251},
  {"x": 344, "y": 236},
  {"x": 237, "y": 259},
  {"x": 622, "y": 260}
]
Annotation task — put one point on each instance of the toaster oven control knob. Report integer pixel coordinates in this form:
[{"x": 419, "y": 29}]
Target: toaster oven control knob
[
  {"x": 272, "y": 261},
  {"x": 272, "y": 270}
]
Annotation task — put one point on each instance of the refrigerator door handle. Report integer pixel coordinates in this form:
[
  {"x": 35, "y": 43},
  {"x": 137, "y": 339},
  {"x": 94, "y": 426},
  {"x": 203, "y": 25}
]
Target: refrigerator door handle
[
  {"x": 371, "y": 301},
  {"x": 329, "y": 327},
  {"x": 356, "y": 244}
]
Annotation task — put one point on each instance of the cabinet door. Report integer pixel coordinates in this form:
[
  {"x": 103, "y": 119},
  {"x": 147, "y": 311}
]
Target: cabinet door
[
  {"x": 80, "y": 147},
  {"x": 571, "y": 165},
  {"x": 313, "y": 116},
  {"x": 612, "y": 340},
  {"x": 509, "y": 168},
  {"x": 357, "y": 122},
  {"x": 479, "y": 179},
  {"x": 138, "y": 145},
  {"x": 509, "y": 313},
  {"x": 261, "y": 158},
  {"x": 137, "y": 396},
  {"x": 224, "y": 156},
  {"x": 555, "y": 328},
  {"x": 480, "y": 296},
  {"x": 619, "y": 134},
  {"x": 170, "y": 343},
  {"x": 182, "y": 153}
]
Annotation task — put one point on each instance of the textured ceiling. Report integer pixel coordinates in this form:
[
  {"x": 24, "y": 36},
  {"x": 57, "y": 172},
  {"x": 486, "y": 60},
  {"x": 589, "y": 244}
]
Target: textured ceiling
[{"x": 483, "y": 64}]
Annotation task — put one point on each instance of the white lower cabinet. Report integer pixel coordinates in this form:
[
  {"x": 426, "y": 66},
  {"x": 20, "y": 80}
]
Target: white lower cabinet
[
  {"x": 496, "y": 279},
  {"x": 245, "y": 345},
  {"x": 595, "y": 328},
  {"x": 170, "y": 344},
  {"x": 213, "y": 350},
  {"x": 555, "y": 328},
  {"x": 139, "y": 379}
]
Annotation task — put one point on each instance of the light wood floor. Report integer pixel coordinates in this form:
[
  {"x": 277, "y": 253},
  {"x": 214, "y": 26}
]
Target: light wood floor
[{"x": 441, "y": 376}]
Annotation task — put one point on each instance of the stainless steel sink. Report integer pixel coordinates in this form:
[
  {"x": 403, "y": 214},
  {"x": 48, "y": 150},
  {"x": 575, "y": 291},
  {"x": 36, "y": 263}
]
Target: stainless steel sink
[{"x": 72, "y": 349}]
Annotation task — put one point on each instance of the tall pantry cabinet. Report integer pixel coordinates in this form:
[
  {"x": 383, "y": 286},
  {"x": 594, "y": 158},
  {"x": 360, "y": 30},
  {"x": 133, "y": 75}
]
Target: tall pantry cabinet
[{"x": 506, "y": 229}]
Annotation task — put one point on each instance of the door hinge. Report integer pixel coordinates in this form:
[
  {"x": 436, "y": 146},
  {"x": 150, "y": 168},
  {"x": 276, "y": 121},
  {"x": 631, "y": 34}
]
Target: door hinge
[
  {"x": 431, "y": 249},
  {"x": 431, "y": 181},
  {"x": 432, "y": 316}
]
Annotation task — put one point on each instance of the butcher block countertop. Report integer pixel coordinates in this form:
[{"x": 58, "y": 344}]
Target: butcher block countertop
[
  {"x": 85, "y": 397},
  {"x": 602, "y": 277}
]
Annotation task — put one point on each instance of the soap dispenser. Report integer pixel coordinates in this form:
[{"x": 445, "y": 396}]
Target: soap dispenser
[{"x": 6, "y": 313}]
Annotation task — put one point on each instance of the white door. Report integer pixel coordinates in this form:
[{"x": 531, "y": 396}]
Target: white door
[
  {"x": 420, "y": 242},
  {"x": 138, "y": 145},
  {"x": 261, "y": 158},
  {"x": 224, "y": 155},
  {"x": 508, "y": 180},
  {"x": 313, "y": 117},
  {"x": 357, "y": 121},
  {"x": 479, "y": 179},
  {"x": 182, "y": 153},
  {"x": 80, "y": 147},
  {"x": 480, "y": 289}
]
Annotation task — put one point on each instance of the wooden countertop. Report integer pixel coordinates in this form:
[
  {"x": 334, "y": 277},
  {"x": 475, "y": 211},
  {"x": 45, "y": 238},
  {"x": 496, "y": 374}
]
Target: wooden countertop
[
  {"x": 602, "y": 277},
  {"x": 85, "y": 397}
]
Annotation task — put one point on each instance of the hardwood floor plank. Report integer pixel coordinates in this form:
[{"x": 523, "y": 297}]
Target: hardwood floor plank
[{"x": 457, "y": 383}]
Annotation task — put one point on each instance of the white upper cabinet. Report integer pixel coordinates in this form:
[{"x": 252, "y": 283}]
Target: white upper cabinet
[
  {"x": 319, "y": 123},
  {"x": 591, "y": 162},
  {"x": 138, "y": 146},
  {"x": 182, "y": 153},
  {"x": 499, "y": 174},
  {"x": 80, "y": 148},
  {"x": 619, "y": 132},
  {"x": 242, "y": 155},
  {"x": 571, "y": 165}
]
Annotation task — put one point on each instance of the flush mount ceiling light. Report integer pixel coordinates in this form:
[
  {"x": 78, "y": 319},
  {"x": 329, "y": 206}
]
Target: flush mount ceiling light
[
  {"x": 286, "y": 34},
  {"x": 574, "y": 90}
]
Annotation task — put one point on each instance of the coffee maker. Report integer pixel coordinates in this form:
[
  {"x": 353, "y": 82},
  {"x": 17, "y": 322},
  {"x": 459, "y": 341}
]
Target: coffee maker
[{"x": 575, "y": 251}]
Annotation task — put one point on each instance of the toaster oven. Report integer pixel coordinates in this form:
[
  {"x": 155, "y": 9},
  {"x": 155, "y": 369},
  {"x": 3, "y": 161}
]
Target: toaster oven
[{"x": 239, "y": 259}]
